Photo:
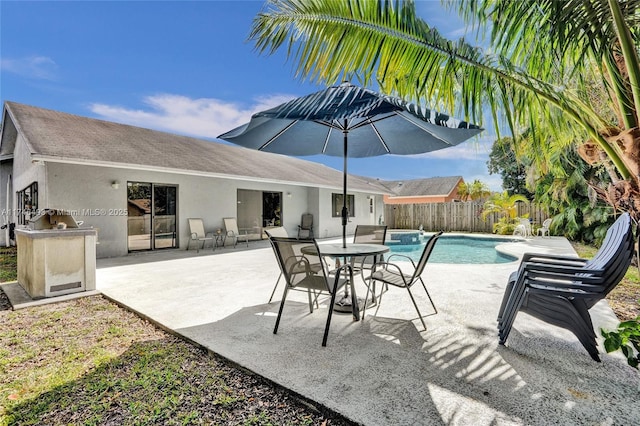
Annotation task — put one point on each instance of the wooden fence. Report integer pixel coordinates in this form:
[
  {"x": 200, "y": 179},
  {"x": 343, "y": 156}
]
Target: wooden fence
[{"x": 453, "y": 216}]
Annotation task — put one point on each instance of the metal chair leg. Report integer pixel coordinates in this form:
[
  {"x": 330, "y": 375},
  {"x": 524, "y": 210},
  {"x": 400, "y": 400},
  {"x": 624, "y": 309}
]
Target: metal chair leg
[{"x": 274, "y": 288}]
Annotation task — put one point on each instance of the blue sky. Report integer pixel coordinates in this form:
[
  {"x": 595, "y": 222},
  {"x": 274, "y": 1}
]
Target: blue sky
[{"x": 183, "y": 67}]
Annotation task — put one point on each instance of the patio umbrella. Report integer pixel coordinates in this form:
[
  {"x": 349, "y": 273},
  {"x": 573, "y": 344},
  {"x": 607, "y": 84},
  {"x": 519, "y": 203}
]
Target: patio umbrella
[{"x": 350, "y": 121}]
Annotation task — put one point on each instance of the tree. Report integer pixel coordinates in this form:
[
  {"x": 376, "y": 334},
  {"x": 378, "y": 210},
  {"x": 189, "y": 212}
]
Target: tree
[
  {"x": 506, "y": 207},
  {"x": 479, "y": 190},
  {"x": 476, "y": 190},
  {"x": 464, "y": 191},
  {"x": 503, "y": 204},
  {"x": 536, "y": 49},
  {"x": 513, "y": 170}
]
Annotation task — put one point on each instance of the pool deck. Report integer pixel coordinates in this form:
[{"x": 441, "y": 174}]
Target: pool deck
[{"x": 386, "y": 370}]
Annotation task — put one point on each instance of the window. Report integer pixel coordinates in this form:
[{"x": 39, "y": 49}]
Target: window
[
  {"x": 336, "y": 205},
  {"x": 27, "y": 203}
]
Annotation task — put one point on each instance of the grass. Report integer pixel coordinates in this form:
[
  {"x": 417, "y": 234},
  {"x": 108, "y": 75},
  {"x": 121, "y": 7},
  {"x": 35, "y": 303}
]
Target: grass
[
  {"x": 8, "y": 264},
  {"x": 89, "y": 362}
]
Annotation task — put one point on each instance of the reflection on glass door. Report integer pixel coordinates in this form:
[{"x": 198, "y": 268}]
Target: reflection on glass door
[
  {"x": 139, "y": 215},
  {"x": 258, "y": 210},
  {"x": 164, "y": 216},
  {"x": 151, "y": 216}
]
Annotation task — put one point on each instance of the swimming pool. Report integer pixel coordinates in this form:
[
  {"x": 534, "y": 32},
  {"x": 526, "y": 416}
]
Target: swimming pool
[{"x": 450, "y": 248}]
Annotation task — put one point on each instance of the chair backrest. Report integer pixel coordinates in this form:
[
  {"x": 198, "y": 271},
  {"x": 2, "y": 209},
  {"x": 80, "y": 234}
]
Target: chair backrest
[
  {"x": 616, "y": 241},
  {"x": 370, "y": 234},
  {"x": 547, "y": 223},
  {"x": 616, "y": 253},
  {"x": 296, "y": 265},
  {"x": 196, "y": 226},
  {"x": 279, "y": 231},
  {"x": 307, "y": 221},
  {"x": 231, "y": 225},
  {"x": 426, "y": 253}
]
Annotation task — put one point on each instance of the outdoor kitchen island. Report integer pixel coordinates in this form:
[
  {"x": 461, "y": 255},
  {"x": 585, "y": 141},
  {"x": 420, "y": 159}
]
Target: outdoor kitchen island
[{"x": 54, "y": 262}]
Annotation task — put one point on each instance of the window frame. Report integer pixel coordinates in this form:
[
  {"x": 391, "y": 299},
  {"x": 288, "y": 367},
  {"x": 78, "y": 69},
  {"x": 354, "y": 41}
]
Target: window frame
[
  {"x": 336, "y": 205},
  {"x": 27, "y": 201}
]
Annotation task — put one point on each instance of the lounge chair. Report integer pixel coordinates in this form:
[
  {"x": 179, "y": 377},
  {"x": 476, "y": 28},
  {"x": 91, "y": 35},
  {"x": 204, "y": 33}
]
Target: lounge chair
[
  {"x": 305, "y": 229},
  {"x": 197, "y": 233},
  {"x": 231, "y": 229},
  {"x": 392, "y": 274},
  {"x": 299, "y": 275},
  {"x": 560, "y": 290},
  {"x": 544, "y": 229}
]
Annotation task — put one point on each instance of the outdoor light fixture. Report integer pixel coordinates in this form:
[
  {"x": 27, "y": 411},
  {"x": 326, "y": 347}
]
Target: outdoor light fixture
[
  {"x": 288, "y": 195},
  {"x": 115, "y": 184}
]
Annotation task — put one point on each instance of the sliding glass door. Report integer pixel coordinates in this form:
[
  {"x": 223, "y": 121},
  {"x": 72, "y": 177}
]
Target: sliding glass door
[
  {"x": 258, "y": 210},
  {"x": 151, "y": 216}
]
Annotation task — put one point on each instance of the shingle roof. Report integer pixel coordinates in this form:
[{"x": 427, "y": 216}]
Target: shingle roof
[
  {"x": 423, "y": 187},
  {"x": 65, "y": 137}
]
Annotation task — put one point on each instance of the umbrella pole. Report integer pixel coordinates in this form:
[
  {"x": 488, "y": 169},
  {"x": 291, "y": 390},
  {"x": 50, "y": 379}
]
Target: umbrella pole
[{"x": 345, "y": 213}]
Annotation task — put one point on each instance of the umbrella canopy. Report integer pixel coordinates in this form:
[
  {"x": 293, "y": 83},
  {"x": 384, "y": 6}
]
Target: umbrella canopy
[{"x": 350, "y": 121}]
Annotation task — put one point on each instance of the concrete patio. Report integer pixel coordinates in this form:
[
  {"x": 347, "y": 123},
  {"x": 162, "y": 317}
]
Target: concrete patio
[{"x": 385, "y": 370}]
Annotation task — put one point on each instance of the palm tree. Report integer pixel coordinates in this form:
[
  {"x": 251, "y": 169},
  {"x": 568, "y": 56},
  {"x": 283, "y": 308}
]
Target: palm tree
[
  {"x": 504, "y": 204},
  {"x": 479, "y": 190},
  {"x": 506, "y": 207},
  {"x": 539, "y": 48},
  {"x": 464, "y": 191}
]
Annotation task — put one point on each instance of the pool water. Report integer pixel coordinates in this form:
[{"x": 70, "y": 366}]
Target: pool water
[{"x": 453, "y": 249}]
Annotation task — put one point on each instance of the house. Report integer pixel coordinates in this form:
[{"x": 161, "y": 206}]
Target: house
[
  {"x": 138, "y": 187},
  {"x": 428, "y": 190}
]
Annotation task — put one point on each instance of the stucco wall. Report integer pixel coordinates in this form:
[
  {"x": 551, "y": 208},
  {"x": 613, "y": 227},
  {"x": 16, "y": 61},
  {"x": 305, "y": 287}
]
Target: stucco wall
[{"x": 88, "y": 189}]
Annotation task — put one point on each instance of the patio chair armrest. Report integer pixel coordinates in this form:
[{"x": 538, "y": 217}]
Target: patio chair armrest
[
  {"x": 560, "y": 268},
  {"x": 560, "y": 277},
  {"x": 386, "y": 266},
  {"x": 400, "y": 255},
  {"x": 300, "y": 260},
  {"x": 565, "y": 288},
  {"x": 527, "y": 257}
]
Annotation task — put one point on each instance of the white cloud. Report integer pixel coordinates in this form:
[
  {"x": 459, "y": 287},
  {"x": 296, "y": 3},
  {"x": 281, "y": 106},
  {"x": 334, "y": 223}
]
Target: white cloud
[
  {"x": 38, "y": 67},
  {"x": 204, "y": 117}
]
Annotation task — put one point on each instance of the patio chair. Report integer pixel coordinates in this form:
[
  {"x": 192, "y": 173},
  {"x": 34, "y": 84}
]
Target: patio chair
[
  {"x": 305, "y": 229},
  {"x": 544, "y": 229},
  {"x": 197, "y": 233},
  {"x": 279, "y": 231},
  {"x": 368, "y": 234},
  {"x": 523, "y": 228},
  {"x": 300, "y": 276},
  {"x": 231, "y": 229},
  {"x": 560, "y": 290},
  {"x": 391, "y": 274}
]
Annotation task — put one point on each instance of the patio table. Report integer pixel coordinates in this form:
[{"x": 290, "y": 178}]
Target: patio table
[{"x": 351, "y": 250}]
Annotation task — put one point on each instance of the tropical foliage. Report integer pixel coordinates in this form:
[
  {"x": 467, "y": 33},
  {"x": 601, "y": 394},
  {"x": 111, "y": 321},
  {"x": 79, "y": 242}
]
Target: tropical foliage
[
  {"x": 546, "y": 63},
  {"x": 625, "y": 339},
  {"x": 505, "y": 206},
  {"x": 474, "y": 191}
]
